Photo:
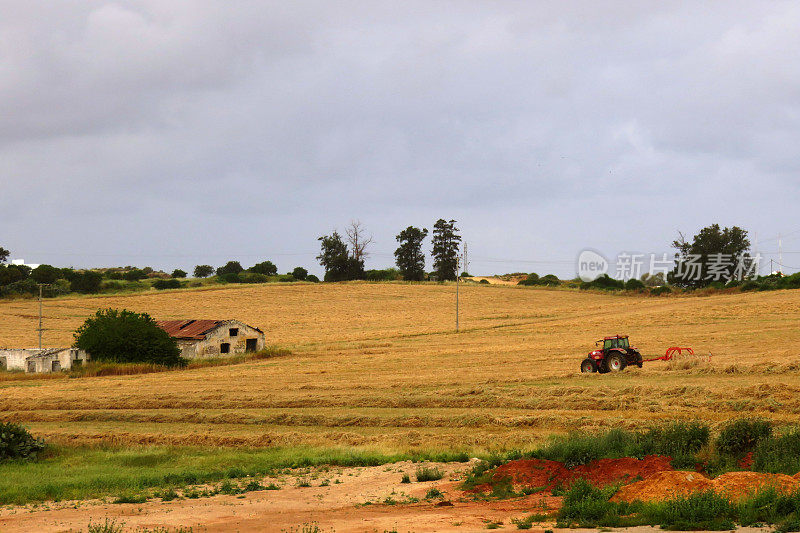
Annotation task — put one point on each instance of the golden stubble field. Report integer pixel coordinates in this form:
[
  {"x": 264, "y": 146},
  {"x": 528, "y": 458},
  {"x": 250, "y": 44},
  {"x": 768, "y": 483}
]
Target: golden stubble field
[{"x": 379, "y": 365}]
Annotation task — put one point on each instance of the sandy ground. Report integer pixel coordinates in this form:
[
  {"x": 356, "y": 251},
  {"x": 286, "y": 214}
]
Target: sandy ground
[{"x": 338, "y": 507}]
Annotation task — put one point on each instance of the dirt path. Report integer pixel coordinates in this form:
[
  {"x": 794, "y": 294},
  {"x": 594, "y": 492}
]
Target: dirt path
[{"x": 337, "y": 507}]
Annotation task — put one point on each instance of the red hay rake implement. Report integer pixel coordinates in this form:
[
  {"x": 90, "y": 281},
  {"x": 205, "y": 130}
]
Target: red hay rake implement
[{"x": 672, "y": 352}]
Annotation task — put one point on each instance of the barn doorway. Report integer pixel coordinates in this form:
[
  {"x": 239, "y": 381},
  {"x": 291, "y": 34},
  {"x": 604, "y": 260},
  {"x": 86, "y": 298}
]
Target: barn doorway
[
  {"x": 56, "y": 366},
  {"x": 250, "y": 345},
  {"x": 225, "y": 347}
]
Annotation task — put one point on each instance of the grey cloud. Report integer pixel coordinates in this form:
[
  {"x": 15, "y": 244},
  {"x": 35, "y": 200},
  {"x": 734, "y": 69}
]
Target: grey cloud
[{"x": 142, "y": 131}]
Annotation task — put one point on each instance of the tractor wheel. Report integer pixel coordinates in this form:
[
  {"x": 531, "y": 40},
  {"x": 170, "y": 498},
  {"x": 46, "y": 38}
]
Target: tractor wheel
[
  {"x": 588, "y": 366},
  {"x": 615, "y": 362}
]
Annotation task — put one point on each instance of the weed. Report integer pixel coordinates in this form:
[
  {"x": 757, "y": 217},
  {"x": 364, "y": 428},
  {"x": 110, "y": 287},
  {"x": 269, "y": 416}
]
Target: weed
[
  {"x": 131, "y": 498},
  {"x": 406, "y": 479},
  {"x": 168, "y": 495},
  {"x": 303, "y": 483},
  {"x": 428, "y": 474},
  {"x": 253, "y": 485},
  {"x": 433, "y": 493},
  {"x": 107, "y": 526},
  {"x": 742, "y": 436}
]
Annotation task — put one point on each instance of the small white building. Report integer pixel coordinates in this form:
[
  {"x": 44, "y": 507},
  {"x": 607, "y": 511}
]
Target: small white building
[
  {"x": 199, "y": 339},
  {"x": 42, "y": 361}
]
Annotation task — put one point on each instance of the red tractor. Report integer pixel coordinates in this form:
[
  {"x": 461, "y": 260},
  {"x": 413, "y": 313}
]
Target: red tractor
[{"x": 614, "y": 356}]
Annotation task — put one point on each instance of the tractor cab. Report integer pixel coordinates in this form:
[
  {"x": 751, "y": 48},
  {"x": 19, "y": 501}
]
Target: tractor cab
[{"x": 617, "y": 341}]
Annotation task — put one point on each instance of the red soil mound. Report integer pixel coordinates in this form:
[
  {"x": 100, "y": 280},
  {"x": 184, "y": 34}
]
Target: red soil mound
[
  {"x": 663, "y": 485},
  {"x": 538, "y": 473},
  {"x": 734, "y": 485}
]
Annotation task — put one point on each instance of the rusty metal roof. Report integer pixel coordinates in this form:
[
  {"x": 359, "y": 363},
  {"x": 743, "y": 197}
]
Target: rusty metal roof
[{"x": 189, "y": 329}]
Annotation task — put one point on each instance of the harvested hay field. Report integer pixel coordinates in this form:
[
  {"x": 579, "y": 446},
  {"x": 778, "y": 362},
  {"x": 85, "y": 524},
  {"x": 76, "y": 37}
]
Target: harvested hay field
[{"x": 378, "y": 365}]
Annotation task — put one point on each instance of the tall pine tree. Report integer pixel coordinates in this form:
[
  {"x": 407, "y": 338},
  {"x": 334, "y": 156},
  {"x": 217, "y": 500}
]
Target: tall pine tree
[
  {"x": 409, "y": 257},
  {"x": 446, "y": 242}
]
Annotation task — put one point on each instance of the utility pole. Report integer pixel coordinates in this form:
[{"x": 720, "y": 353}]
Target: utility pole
[
  {"x": 780, "y": 254},
  {"x": 40, "y": 329},
  {"x": 466, "y": 258},
  {"x": 458, "y": 260}
]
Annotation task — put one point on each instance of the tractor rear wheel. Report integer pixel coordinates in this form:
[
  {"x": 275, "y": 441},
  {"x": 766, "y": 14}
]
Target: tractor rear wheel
[
  {"x": 615, "y": 362},
  {"x": 588, "y": 366}
]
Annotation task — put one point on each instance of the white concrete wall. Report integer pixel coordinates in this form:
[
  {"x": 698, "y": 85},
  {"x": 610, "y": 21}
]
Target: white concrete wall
[{"x": 26, "y": 359}]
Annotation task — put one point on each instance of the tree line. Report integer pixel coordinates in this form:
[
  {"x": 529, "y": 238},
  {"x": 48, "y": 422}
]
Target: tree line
[{"x": 343, "y": 257}]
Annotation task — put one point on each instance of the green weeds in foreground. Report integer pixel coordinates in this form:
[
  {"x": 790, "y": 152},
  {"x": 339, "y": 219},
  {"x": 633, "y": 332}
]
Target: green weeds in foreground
[{"x": 66, "y": 473}]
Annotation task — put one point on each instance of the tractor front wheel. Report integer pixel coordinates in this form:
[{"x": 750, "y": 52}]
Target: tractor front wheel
[
  {"x": 615, "y": 363},
  {"x": 588, "y": 366}
]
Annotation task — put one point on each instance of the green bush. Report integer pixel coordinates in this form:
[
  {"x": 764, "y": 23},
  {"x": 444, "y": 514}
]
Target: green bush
[
  {"x": 203, "y": 271},
  {"x": 658, "y": 291},
  {"x": 87, "y": 282},
  {"x": 127, "y": 337},
  {"x": 587, "y": 506},
  {"x": 484, "y": 281},
  {"x": 634, "y": 284},
  {"x": 171, "y": 283},
  {"x": 550, "y": 280},
  {"x": 300, "y": 273},
  {"x": 231, "y": 267},
  {"x": 702, "y": 510},
  {"x": 604, "y": 282},
  {"x": 778, "y": 454},
  {"x": 678, "y": 440},
  {"x": 388, "y": 274},
  {"x": 428, "y": 474},
  {"x": 312, "y": 278},
  {"x": 17, "y": 443},
  {"x": 252, "y": 277},
  {"x": 134, "y": 274},
  {"x": 741, "y": 436},
  {"x": 267, "y": 268},
  {"x": 178, "y": 273}
]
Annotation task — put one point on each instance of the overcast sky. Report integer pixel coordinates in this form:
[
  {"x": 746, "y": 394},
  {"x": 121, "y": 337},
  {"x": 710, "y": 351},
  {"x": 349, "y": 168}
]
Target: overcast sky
[{"x": 176, "y": 133}]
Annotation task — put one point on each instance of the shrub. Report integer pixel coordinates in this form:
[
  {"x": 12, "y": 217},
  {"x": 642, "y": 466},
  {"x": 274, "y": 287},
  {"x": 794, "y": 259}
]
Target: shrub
[
  {"x": 171, "y": 283},
  {"x": 741, "y": 436},
  {"x": 634, "y": 284},
  {"x": 388, "y": 274},
  {"x": 203, "y": 271},
  {"x": 251, "y": 277},
  {"x": 178, "y": 273},
  {"x": 312, "y": 278},
  {"x": 87, "y": 282},
  {"x": 286, "y": 278},
  {"x": 134, "y": 274},
  {"x": 778, "y": 454},
  {"x": 658, "y": 291},
  {"x": 678, "y": 440},
  {"x": 229, "y": 277},
  {"x": 484, "y": 281},
  {"x": 428, "y": 474},
  {"x": 45, "y": 274},
  {"x": 604, "y": 282},
  {"x": 406, "y": 479},
  {"x": 701, "y": 510},
  {"x": 17, "y": 443},
  {"x": 588, "y": 506},
  {"x": 300, "y": 273},
  {"x": 267, "y": 268},
  {"x": 127, "y": 337},
  {"x": 231, "y": 267}
]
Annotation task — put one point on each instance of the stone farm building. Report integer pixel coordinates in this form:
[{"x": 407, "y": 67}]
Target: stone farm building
[
  {"x": 43, "y": 361},
  {"x": 200, "y": 339}
]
